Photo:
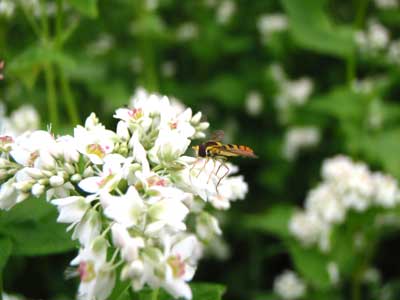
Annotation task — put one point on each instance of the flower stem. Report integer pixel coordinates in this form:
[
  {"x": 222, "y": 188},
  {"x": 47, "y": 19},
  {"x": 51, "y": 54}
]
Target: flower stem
[
  {"x": 358, "y": 23},
  {"x": 154, "y": 294},
  {"x": 1, "y": 286},
  {"x": 69, "y": 98},
  {"x": 51, "y": 95}
]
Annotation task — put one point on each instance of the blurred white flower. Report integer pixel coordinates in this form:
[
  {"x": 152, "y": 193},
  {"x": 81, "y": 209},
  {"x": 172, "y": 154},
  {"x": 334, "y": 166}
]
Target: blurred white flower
[
  {"x": 254, "y": 103},
  {"x": 333, "y": 272},
  {"x": 298, "y": 138},
  {"x": 346, "y": 185},
  {"x": 269, "y": 24},
  {"x": 187, "y": 31},
  {"x": 101, "y": 45},
  {"x": 376, "y": 38},
  {"x": 7, "y": 8},
  {"x": 168, "y": 69},
  {"x": 225, "y": 11},
  {"x": 386, "y": 4},
  {"x": 289, "y": 286}
]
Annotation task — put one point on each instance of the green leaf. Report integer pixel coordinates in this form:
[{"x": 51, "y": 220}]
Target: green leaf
[
  {"x": 31, "y": 209},
  {"x": 207, "y": 291},
  {"x": 313, "y": 30},
  {"x": 85, "y": 7},
  {"x": 5, "y": 252},
  {"x": 311, "y": 264},
  {"x": 38, "y": 237},
  {"x": 227, "y": 89},
  {"x": 275, "y": 220},
  {"x": 200, "y": 291},
  {"x": 265, "y": 296},
  {"x": 341, "y": 103}
]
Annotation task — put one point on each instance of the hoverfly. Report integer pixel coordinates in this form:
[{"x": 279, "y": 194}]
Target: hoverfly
[{"x": 217, "y": 151}]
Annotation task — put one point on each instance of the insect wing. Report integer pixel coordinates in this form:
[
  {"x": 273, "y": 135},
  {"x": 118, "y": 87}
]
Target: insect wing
[
  {"x": 217, "y": 135},
  {"x": 242, "y": 151}
]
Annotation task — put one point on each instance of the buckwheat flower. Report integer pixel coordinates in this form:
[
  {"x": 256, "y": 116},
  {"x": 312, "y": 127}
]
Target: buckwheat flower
[
  {"x": 71, "y": 209},
  {"x": 8, "y": 194},
  {"x": 376, "y": 38},
  {"x": 207, "y": 226},
  {"x": 298, "y": 138},
  {"x": 333, "y": 272},
  {"x": 169, "y": 146},
  {"x": 129, "y": 245},
  {"x": 97, "y": 278},
  {"x": 306, "y": 227},
  {"x": 102, "y": 45},
  {"x": 25, "y": 118},
  {"x": 386, "y": 4},
  {"x": 108, "y": 178},
  {"x": 181, "y": 260},
  {"x": 128, "y": 209},
  {"x": 168, "y": 69},
  {"x": 289, "y": 286},
  {"x": 324, "y": 202},
  {"x": 93, "y": 140},
  {"x": 254, "y": 103},
  {"x": 269, "y": 24},
  {"x": 7, "y": 8},
  {"x": 187, "y": 32},
  {"x": 169, "y": 211},
  {"x": 386, "y": 190},
  {"x": 88, "y": 228},
  {"x": 225, "y": 11}
]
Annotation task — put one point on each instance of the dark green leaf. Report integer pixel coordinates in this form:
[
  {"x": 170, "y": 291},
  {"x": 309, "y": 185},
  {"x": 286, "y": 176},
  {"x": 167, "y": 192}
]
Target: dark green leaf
[
  {"x": 311, "y": 264},
  {"x": 5, "y": 252},
  {"x": 40, "y": 237},
  {"x": 312, "y": 29},
  {"x": 275, "y": 220},
  {"x": 207, "y": 291},
  {"x": 85, "y": 7},
  {"x": 32, "y": 209}
]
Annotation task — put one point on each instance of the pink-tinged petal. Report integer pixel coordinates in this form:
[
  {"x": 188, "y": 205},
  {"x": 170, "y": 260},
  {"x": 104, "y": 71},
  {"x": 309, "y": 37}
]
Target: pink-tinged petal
[{"x": 91, "y": 184}]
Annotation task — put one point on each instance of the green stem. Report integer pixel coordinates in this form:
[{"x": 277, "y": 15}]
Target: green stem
[
  {"x": 356, "y": 289},
  {"x": 154, "y": 294},
  {"x": 59, "y": 22},
  {"x": 51, "y": 95},
  {"x": 32, "y": 22},
  {"x": 358, "y": 24},
  {"x": 69, "y": 98},
  {"x": 1, "y": 286}
]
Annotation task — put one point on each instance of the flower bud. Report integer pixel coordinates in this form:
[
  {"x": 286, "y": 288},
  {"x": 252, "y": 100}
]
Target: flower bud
[
  {"x": 122, "y": 130},
  {"x": 22, "y": 196},
  {"x": 24, "y": 186},
  {"x": 88, "y": 172},
  {"x": 76, "y": 178},
  {"x": 196, "y": 118},
  {"x": 37, "y": 189},
  {"x": 47, "y": 161},
  {"x": 44, "y": 181},
  {"x": 56, "y": 181},
  {"x": 71, "y": 155},
  {"x": 69, "y": 168},
  {"x": 34, "y": 173}
]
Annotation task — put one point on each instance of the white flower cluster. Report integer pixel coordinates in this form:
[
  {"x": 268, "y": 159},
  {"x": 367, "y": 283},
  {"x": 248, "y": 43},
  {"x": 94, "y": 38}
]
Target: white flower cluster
[
  {"x": 375, "y": 40},
  {"x": 291, "y": 93},
  {"x": 289, "y": 286},
  {"x": 21, "y": 120},
  {"x": 298, "y": 138},
  {"x": 387, "y": 4},
  {"x": 346, "y": 185},
  {"x": 127, "y": 194},
  {"x": 269, "y": 24},
  {"x": 254, "y": 103}
]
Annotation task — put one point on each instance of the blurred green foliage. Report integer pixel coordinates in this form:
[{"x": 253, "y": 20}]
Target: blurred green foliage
[{"x": 88, "y": 55}]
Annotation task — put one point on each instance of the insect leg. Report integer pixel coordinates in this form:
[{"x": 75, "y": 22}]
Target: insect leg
[
  {"x": 223, "y": 176},
  {"x": 203, "y": 167},
  {"x": 209, "y": 176},
  {"x": 191, "y": 169}
]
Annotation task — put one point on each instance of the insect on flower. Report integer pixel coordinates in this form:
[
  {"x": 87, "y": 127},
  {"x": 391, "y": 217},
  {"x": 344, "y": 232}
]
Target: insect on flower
[{"x": 217, "y": 151}]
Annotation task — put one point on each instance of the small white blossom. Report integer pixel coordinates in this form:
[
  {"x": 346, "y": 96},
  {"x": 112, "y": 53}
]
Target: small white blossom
[
  {"x": 225, "y": 11},
  {"x": 269, "y": 24},
  {"x": 254, "y": 103},
  {"x": 289, "y": 286},
  {"x": 187, "y": 32},
  {"x": 386, "y": 4},
  {"x": 298, "y": 138}
]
